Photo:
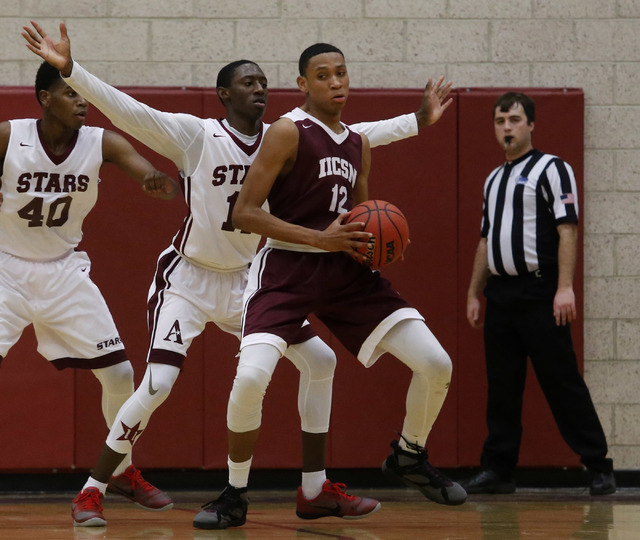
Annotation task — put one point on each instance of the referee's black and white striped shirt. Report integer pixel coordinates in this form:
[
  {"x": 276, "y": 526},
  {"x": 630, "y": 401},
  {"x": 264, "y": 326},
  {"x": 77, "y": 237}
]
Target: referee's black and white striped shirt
[{"x": 524, "y": 202}]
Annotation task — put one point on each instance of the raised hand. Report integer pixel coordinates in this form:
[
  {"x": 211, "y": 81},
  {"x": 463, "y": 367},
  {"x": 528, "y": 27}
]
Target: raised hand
[
  {"x": 433, "y": 102},
  {"x": 57, "y": 53}
]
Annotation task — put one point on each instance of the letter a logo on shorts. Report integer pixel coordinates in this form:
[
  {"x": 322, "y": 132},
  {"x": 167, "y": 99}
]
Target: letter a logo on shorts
[{"x": 175, "y": 334}]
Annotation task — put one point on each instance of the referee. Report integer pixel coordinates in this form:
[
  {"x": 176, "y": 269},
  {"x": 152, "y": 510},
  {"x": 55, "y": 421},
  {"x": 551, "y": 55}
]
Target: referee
[{"x": 524, "y": 263}]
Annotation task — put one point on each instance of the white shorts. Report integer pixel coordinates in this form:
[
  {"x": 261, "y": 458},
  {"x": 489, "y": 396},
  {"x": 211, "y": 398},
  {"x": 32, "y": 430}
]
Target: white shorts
[
  {"x": 183, "y": 298},
  {"x": 72, "y": 322}
]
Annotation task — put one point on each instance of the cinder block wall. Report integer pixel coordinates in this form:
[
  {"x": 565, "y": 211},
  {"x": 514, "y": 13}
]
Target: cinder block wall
[{"x": 592, "y": 44}]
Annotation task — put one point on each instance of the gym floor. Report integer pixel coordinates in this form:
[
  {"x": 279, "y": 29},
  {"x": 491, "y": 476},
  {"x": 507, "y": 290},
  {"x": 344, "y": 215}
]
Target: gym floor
[{"x": 530, "y": 513}]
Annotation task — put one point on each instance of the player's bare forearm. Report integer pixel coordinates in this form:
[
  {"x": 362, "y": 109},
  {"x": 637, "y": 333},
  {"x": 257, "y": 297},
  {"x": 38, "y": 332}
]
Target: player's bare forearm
[{"x": 117, "y": 150}]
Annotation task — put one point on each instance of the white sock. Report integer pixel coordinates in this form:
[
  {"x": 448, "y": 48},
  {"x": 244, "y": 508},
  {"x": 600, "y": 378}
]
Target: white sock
[
  {"x": 312, "y": 483},
  {"x": 91, "y": 482},
  {"x": 239, "y": 473}
]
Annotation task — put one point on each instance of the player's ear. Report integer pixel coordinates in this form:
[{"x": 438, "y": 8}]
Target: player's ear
[
  {"x": 44, "y": 96},
  {"x": 223, "y": 93},
  {"x": 302, "y": 84}
]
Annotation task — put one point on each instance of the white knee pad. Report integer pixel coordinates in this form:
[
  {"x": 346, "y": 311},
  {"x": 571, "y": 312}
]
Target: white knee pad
[
  {"x": 255, "y": 368},
  {"x": 316, "y": 363},
  {"x": 414, "y": 344},
  {"x": 156, "y": 384},
  {"x": 313, "y": 358},
  {"x": 117, "y": 386}
]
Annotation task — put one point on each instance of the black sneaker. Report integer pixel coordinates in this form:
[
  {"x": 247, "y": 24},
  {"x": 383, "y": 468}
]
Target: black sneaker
[
  {"x": 602, "y": 484},
  {"x": 488, "y": 481},
  {"x": 228, "y": 510},
  {"x": 414, "y": 469}
]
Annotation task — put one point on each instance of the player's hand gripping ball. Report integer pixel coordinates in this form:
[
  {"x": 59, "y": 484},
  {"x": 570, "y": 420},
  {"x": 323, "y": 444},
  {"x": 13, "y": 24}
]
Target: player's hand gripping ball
[{"x": 389, "y": 228}]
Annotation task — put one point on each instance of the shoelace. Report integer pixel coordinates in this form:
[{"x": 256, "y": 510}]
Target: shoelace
[
  {"x": 437, "y": 478},
  {"x": 340, "y": 489},
  {"x": 225, "y": 498},
  {"x": 208, "y": 505},
  {"x": 88, "y": 500},
  {"x": 136, "y": 480}
]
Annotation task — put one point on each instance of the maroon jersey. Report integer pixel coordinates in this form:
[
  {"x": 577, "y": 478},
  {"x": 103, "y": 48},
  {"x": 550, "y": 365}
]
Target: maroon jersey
[
  {"x": 287, "y": 283},
  {"x": 320, "y": 185}
]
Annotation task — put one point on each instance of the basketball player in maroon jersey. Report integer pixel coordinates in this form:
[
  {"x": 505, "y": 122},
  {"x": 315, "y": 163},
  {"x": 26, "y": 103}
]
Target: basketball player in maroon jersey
[
  {"x": 49, "y": 174},
  {"x": 309, "y": 265}
]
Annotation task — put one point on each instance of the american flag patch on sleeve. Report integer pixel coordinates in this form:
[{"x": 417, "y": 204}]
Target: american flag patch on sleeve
[{"x": 567, "y": 198}]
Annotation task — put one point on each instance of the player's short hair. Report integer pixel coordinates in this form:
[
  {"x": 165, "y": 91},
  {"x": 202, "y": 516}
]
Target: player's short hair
[
  {"x": 508, "y": 100},
  {"x": 226, "y": 73},
  {"x": 315, "y": 50},
  {"x": 46, "y": 77}
]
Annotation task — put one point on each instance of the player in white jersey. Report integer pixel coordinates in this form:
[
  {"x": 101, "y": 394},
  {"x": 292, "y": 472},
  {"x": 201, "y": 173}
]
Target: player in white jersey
[
  {"x": 49, "y": 175},
  {"x": 202, "y": 276}
]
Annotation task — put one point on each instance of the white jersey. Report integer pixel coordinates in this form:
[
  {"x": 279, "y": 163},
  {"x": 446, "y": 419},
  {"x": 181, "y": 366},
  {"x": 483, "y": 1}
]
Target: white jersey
[
  {"x": 207, "y": 236},
  {"x": 211, "y": 160},
  {"x": 47, "y": 197}
]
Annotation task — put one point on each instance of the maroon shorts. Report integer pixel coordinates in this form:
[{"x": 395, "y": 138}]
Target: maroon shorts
[{"x": 286, "y": 286}]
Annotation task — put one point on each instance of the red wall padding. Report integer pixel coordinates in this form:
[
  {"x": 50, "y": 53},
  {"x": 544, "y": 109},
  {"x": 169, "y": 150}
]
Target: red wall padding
[{"x": 53, "y": 419}]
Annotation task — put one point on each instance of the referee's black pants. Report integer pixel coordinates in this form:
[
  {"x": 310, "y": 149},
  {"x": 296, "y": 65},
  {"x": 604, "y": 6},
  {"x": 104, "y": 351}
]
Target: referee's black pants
[{"x": 518, "y": 326}]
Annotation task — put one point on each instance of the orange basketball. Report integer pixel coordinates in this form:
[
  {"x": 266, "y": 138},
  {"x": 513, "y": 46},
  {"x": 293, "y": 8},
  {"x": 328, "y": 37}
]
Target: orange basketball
[{"x": 389, "y": 228}]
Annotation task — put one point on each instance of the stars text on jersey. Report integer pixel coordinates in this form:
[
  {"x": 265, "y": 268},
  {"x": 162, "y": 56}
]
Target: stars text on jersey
[{"x": 43, "y": 182}]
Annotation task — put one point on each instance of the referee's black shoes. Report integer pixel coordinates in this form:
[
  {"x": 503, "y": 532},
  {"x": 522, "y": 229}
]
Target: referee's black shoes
[
  {"x": 602, "y": 484},
  {"x": 488, "y": 481}
]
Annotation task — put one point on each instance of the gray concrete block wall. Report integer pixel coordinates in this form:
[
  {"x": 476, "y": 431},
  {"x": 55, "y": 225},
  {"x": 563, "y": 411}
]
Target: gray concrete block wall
[{"x": 592, "y": 44}]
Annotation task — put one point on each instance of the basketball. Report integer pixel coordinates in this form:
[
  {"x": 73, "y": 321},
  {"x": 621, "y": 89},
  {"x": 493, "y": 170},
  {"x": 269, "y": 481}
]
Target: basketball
[{"x": 389, "y": 228}]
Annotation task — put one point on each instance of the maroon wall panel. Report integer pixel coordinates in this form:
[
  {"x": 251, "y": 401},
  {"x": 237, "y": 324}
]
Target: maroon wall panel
[
  {"x": 36, "y": 410},
  {"x": 559, "y": 130}
]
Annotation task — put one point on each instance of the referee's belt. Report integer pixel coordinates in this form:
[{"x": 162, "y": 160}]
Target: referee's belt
[{"x": 536, "y": 274}]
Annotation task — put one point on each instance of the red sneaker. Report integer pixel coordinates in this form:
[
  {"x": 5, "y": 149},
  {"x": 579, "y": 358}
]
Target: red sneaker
[
  {"x": 86, "y": 509},
  {"x": 131, "y": 485},
  {"x": 334, "y": 501}
]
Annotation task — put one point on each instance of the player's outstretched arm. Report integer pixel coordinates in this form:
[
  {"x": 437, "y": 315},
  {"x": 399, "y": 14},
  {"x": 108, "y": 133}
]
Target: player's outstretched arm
[
  {"x": 434, "y": 103},
  {"x": 116, "y": 149},
  {"x": 176, "y": 136},
  {"x": 56, "y": 52}
]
